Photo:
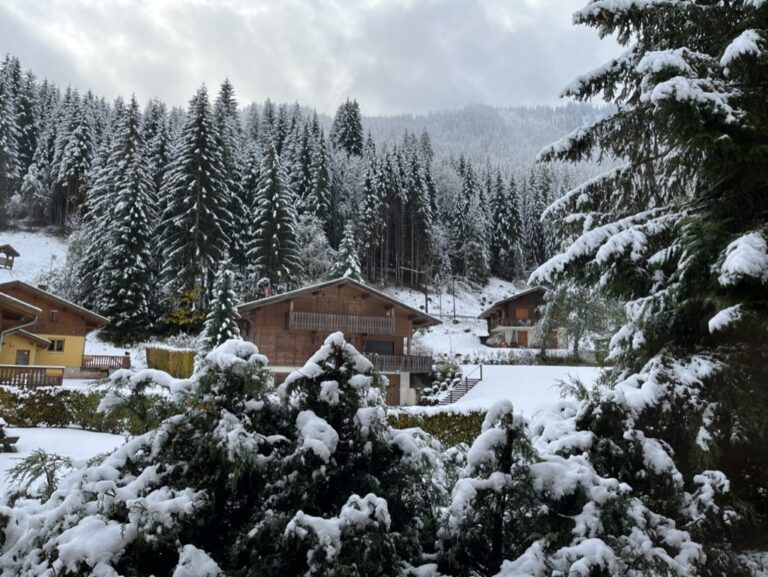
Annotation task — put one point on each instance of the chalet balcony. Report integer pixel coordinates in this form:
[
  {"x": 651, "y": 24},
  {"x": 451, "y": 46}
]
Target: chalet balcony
[
  {"x": 31, "y": 375},
  {"x": 400, "y": 364},
  {"x": 330, "y": 323},
  {"x": 512, "y": 323}
]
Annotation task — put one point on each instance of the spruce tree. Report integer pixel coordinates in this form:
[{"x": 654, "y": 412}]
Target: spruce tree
[
  {"x": 221, "y": 320},
  {"x": 194, "y": 223},
  {"x": 679, "y": 232},
  {"x": 347, "y": 262},
  {"x": 347, "y": 129},
  {"x": 9, "y": 142},
  {"x": 129, "y": 271},
  {"x": 274, "y": 254}
]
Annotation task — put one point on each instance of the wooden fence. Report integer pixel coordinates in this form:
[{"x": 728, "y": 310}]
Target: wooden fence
[
  {"x": 106, "y": 362},
  {"x": 31, "y": 375}
]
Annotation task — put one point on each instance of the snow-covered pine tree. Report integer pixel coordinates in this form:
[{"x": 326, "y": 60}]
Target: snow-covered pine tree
[
  {"x": 347, "y": 129},
  {"x": 347, "y": 263},
  {"x": 75, "y": 149},
  {"x": 230, "y": 135},
  {"x": 274, "y": 254},
  {"x": 157, "y": 136},
  {"x": 194, "y": 223},
  {"x": 9, "y": 141},
  {"x": 29, "y": 120},
  {"x": 300, "y": 176},
  {"x": 221, "y": 319},
  {"x": 316, "y": 257},
  {"x": 679, "y": 231},
  {"x": 128, "y": 273},
  {"x": 319, "y": 199}
]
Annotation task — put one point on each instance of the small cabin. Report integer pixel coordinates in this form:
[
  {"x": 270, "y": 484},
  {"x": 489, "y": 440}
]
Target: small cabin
[
  {"x": 512, "y": 321},
  {"x": 7, "y": 256},
  {"x": 288, "y": 328}
]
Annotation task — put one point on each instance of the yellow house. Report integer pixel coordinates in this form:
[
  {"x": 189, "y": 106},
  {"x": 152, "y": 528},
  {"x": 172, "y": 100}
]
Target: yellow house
[{"x": 57, "y": 335}]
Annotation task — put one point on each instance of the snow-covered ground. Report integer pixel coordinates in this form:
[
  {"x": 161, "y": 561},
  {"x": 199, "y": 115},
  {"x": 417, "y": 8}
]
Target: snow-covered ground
[
  {"x": 528, "y": 387},
  {"x": 39, "y": 252},
  {"x": 74, "y": 443}
]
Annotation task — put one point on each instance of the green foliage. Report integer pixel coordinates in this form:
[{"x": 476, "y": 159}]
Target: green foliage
[
  {"x": 187, "y": 314},
  {"x": 177, "y": 363},
  {"x": 54, "y": 407},
  {"x": 38, "y": 466},
  {"x": 449, "y": 427}
]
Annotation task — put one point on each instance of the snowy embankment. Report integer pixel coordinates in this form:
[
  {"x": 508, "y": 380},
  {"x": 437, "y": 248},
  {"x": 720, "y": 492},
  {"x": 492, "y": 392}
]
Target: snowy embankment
[
  {"x": 39, "y": 252},
  {"x": 529, "y": 388},
  {"x": 73, "y": 443}
]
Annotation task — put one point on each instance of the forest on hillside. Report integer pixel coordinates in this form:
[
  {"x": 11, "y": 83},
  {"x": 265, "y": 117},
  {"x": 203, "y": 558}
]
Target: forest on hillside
[{"x": 157, "y": 199}]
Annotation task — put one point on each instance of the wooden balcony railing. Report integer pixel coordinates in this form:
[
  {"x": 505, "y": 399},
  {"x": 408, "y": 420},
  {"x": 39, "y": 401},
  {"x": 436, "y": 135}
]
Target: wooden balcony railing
[
  {"x": 346, "y": 323},
  {"x": 31, "y": 375},
  {"x": 106, "y": 362},
  {"x": 402, "y": 364},
  {"x": 504, "y": 322}
]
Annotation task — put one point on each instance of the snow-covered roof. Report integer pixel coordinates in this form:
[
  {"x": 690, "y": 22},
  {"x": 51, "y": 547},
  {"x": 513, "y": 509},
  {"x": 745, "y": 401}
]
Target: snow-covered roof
[
  {"x": 516, "y": 296},
  {"x": 9, "y": 250},
  {"x": 90, "y": 316},
  {"x": 19, "y": 306},
  {"x": 427, "y": 319}
]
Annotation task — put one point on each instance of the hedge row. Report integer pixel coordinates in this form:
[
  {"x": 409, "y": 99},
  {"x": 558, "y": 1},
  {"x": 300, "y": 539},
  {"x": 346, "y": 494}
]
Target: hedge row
[
  {"x": 178, "y": 363},
  {"x": 449, "y": 427},
  {"x": 56, "y": 407}
]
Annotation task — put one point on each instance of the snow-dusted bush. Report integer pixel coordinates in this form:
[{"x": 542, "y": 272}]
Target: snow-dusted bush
[{"x": 445, "y": 376}]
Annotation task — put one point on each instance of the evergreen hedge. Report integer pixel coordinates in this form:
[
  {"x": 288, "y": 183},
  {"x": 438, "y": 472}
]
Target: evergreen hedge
[
  {"x": 178, "y": 363},
  {"x": 449, "y": 427}
]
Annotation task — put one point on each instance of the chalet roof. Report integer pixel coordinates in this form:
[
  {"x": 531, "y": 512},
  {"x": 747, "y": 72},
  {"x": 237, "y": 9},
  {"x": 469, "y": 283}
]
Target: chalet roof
[
  {"x": 37, "y": 339},
  {"x": 19, "y": 306},
  {"x": 424, "y": 318},
  {"x": 9, "y": 250},
  {"x": 90, "y": 316},
  {"x": 514, "y": 297}
]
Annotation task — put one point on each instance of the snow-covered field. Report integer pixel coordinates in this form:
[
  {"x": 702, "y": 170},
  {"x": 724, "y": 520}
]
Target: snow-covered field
[
  {"x": 74, "y": 443},
  {"x": 528, "y": 387},
  {"x": 39, "y": 253}
]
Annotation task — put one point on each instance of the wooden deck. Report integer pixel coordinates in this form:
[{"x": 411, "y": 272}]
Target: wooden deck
[
  {"x": 330, "y": 323},
  {"x": 31, "y": 375},
  {"x": 106, "y": 362}
]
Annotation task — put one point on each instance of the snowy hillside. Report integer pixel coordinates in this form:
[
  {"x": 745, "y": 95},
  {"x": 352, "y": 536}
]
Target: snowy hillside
[{"x": 39, "y": 252}]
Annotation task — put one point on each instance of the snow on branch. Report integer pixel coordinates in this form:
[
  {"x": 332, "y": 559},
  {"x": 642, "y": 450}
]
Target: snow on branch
[
  {"x": 746, "y": 256},
  {"x": 724, "y": 318},
  {"x": 745, "y": 43}
]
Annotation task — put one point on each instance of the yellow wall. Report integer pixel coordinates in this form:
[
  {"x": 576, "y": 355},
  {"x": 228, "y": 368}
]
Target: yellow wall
[
  {"x": 71, "y": 356},
  {"x": 13, "y": 343}
]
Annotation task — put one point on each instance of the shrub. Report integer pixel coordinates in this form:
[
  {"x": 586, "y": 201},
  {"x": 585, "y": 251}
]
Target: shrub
[
  {"x": 178, "y": 363},
  {"x": 449, "y": 427}
]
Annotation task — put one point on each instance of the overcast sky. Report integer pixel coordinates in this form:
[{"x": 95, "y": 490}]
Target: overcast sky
[{"x": 392, "y": 55}]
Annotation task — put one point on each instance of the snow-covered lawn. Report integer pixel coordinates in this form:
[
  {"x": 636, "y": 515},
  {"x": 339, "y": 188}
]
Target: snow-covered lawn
[
  {"x": 528, "y": 387},
  {"x": 74, "y": 443},
  {"x": 39, "y": 253}
]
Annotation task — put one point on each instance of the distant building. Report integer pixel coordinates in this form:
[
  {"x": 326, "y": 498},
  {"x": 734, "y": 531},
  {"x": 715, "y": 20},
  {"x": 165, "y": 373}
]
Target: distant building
[
  {"x": 512, "y": 321},
  {"x": 7, "y": 256},
  {"x": 288, "y": 328}
]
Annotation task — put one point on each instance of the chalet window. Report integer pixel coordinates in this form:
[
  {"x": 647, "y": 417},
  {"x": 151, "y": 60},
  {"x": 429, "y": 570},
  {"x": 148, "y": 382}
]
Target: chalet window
[
  {"x": 56, "y": 345},
  {"x": 380, "y": 347},
  {"x": 54, "y": 315},
  {"x": 521, "y": 314}
]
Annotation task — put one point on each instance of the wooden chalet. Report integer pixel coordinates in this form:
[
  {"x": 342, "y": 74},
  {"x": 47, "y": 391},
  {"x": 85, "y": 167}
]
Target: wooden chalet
[
  {"x": 56, "y": 338},
  {"x": 7, "y": 255},
  {"x": 512, "y": 321},
  {"x": 288, "y": 328}
]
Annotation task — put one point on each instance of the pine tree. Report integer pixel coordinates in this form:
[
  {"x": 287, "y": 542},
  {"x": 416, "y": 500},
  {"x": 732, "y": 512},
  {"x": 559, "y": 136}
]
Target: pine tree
[
  {"x": 274, "y": 254},
  {"x": 194, "y": 222},
  {"x": 347, "y": 261},
  {"x": 221, "y": 320},
  {"x": 679, "y": 231},
  {"x": 301, "y": 175},
  {"x": 129, "y": 271},
  {"x": 9, "y": 141},
  {"x": 347, "y": 129}
]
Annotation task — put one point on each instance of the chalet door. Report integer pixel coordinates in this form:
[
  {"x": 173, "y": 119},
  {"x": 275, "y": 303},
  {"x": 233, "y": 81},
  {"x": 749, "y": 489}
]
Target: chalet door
[
  {"x": 393, "y": 390},
  {"x": 22, "y": 357},
  {"x": 522, "y": 338},
  {"x": 521, "y": 314}
]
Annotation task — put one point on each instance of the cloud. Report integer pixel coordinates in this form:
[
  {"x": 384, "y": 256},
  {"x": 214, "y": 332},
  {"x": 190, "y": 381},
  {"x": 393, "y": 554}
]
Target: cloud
[{"x": 392, "y": 55}]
